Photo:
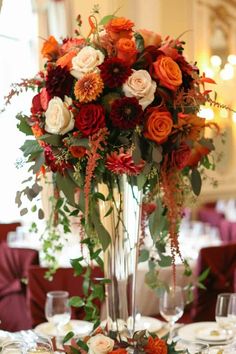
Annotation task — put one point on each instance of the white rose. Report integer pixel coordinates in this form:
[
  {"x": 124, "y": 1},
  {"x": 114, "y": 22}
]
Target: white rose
[
  {"x": 59, "y": 120},
  {"x": 100, "y": 344},
  {"x": 141, "y": 86},
  {"x": 87, "y": 60}
]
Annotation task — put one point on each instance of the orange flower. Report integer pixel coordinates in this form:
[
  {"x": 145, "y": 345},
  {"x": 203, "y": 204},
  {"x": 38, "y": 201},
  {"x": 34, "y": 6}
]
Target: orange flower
[
  {"x": 158, "y": 125},
  {"x": 77, "y": 151},
  {"x": 72, "y": 43},
  {"x": 119, "y": 351},
  {"x": 89, "y": 87},
  {"x": 156, "y": 346},
  {"x": 150, "y": 38},
  {"x": 50, "y": 49},
  {"x": 168, "y": 72},
  {"x": 38, "y": 132},
  {"x": 190, "y": 126},
  {"x": 66, "y": 59},
  {"x": 196, "y": 154},
  {"x": 119, "y": 27},
  {"x": 126, "y": 50}
]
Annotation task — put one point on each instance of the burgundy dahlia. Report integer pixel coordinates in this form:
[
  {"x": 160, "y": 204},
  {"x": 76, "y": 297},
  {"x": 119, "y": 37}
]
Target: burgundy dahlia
[
  {"x": 59, "y": 82},
  {"x": 90, "y": 119},
  {"x": 114, "y": 72},
  {"x": 126, "y": 113}
]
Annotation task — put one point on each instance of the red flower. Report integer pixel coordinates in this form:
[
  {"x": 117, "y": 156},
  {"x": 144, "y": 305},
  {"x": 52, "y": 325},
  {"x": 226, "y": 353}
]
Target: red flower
[
  {"x": 180, "y": 157},
  {"x": 114, "y": 72},
  {"x": 77, "y": 151},
  {"x": 90, "y": 119},
  {"x": 119, "y": 351},
  {"x": 54, "y": 164},
  {"x": 156, "y": 346},
  {"x": 122, "y": 162},
  {"x": 59, "y": 82},
  {"x": 36, "y": 104},
  {"x": 126, "y": 113}
]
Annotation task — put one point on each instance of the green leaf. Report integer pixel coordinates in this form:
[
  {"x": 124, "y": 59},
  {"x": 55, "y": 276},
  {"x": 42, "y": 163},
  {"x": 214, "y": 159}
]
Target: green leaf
[
  {"x": 39, "y": 161},
  {"x": 165, "y": 261},
  {"x": 98, "y": 195},
  {"x": 157, "y": 221},
  {"x": 106, "y": 19},
  {"x": 67, "y": 186},
  {"x": 208, "y": 143},
  {"x": 77, "y": 265},
  {"x": 82, "y": 345},
  {"x": 103, "y": 234},
  {"x": 108, "y": 212},
  {"x": 52, "y": 139},
  {"x": 144, "y": 255},
  {"x": 196, "y": 181},
  {"x": 76, "y": 301},
  {"x": 204, "y": 275},
  {"x": 68, "y": 337},
  {"x": 139, "y": 41},
  {"x": 23, "y": 211},
  {"x": 157, "y": 154},
  {"x": 40, "y": 214},
  {"x": 31, "y": 146},
  {"x": 23, "y": 126}
]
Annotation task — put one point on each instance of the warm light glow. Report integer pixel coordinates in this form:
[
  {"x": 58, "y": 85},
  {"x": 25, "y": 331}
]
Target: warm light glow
[
  {"x": 227, "y": 73},
  {"x": 215, "y": 60},
  {"x": 234, "y": 117},
  {"x": 206, "y": 113},
  {"x": 232, "y": 59},
  {"x": 223, "y": 113},
  {"x": 209, "y": 72}
]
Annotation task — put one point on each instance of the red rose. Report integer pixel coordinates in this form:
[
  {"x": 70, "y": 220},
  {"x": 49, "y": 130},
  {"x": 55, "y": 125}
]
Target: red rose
[
  {"x": 90, "y": 119},
  {"x": 180, "y": 157},
  {"x": 36, "y": 104}
]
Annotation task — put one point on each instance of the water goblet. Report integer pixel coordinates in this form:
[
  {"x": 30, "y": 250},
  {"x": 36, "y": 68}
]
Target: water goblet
[
  {"x": 57, "y": 309},
  {"x": 221, "y": 313},
  {"x": 232, "y": 311},
  {"x": 172, "y": 306}
]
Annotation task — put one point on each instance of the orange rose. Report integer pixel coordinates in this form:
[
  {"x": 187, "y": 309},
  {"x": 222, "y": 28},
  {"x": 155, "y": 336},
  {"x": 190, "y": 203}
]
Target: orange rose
[
  {"x": 119, "y": 351},
  {"x": 50, "y": 49},
  {"x": 126, "y": 50},
  {"x": 119, "y": 27},
  {"x": 156, "y": 346},
  {"x": 77, "y": 151},
  {"x": 158, "y": 125},
  {"x": 168, "y": 72},
  {"x": 66, "y": 59},
  {"x": 150, "y": 38}
]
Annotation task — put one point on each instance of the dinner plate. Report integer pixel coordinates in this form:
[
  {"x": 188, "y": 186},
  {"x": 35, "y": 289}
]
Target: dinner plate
[
  {"x": 204, "y": 331},
  {"x": 142, "y": 322},
  {"x": 80, "y": 328}
]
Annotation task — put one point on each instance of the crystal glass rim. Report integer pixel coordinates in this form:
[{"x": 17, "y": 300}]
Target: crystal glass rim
[
  {"x": 225, "y": 294},
  {"x": 58, "y": 293}
]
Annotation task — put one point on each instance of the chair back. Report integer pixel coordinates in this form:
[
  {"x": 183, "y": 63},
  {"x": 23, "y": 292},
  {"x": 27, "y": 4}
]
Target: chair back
[
  {"x": 14, "y": 265},
  {"x": 63, "y": 279},
  {"x": 6, "y": 228},
  {"x": 222, "y": 263}
]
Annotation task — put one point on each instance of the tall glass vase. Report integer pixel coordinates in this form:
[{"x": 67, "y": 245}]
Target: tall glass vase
[{"x": 121, "y": 216}]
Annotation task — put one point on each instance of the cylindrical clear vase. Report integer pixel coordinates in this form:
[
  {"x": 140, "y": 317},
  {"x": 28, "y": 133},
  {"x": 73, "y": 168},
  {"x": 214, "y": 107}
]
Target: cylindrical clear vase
[{"x": 121, "y": 215}]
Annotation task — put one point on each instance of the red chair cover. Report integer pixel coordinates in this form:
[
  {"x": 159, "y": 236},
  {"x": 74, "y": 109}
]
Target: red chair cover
[
  {"x": 210, "y": 216},
  {"x": 14, "y": 264},
  {"x": 222, "y": 263},
  {"x": 5, "y": 228},
  {"x": 63, "y": 279},
  {"x": 233, "y": 232},
  {"x": 225, "y": 230}
]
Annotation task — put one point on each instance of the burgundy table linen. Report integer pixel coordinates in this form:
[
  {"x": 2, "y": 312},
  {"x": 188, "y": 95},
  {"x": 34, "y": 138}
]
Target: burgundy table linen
[
  {"x": 210, "y": 215},
  {"x": 14, "y": 265},
  {"x": 63, "y": 279},
  {"x": 222, "y": 263},
  {"x": 6, "y": 228},
  {"x": 225, "y": 230}
]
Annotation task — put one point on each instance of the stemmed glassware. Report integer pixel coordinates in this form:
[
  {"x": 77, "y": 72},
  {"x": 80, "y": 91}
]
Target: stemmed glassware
[
  {"x": 172, "y": 306},
  {"x": 221, "y": 313},
  {"x": 57, "y": 309},
  {"x": 232, "y": 311}
]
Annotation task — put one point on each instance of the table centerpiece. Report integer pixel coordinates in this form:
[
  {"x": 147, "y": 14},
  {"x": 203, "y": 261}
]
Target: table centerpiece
[{"x": 115, "y": 119}]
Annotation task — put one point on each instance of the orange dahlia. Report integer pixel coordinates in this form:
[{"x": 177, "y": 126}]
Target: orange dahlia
[
  {"x": 89, "y": 87},
  {"x": 156, "y": 346}
]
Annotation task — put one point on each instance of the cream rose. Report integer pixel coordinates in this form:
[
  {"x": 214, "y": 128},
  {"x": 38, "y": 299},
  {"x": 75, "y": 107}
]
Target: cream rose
[
  {"x": 100, "y": 344},
  {"x": 59, "y": 120},
  {"x": 141, "y": 86},
  {"x": 87, "y": 60}
]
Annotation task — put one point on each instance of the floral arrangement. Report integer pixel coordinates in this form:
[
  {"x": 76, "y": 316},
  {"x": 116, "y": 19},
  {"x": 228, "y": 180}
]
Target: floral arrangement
[{"x": 119, "y": 101}]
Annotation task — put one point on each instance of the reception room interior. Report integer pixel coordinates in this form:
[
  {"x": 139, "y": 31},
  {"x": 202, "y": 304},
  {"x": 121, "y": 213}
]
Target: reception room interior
[{"x": 56, "y": 233}]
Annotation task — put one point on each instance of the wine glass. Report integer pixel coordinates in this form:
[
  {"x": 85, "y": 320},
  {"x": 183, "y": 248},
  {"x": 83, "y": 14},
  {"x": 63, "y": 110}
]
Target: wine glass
[
  {"x": 172, "y": 306},
  {"x": 57, "y": 309},
  {"x": 13, "y": 347},
  {"x": 232, "y": 310},
  {"x": 221, "y": 313}
]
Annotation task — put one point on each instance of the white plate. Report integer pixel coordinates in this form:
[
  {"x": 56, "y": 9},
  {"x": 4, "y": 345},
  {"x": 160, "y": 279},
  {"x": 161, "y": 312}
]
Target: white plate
[
  {"x": 201, "y": 331},
  {"x": 149, "y": 323},
  {"x": 80, "y": 328}
]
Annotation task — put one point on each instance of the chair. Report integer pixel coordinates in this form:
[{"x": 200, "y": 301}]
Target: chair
[
  {"x": 225, "y": 230},
  {"x": 63, "y": 279},
  {"x": 14, "y": 265},
  {"x": 222, "y": 263},
  {"x": 6, "y": 228},
  {"x": 209, "y": 215}
]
